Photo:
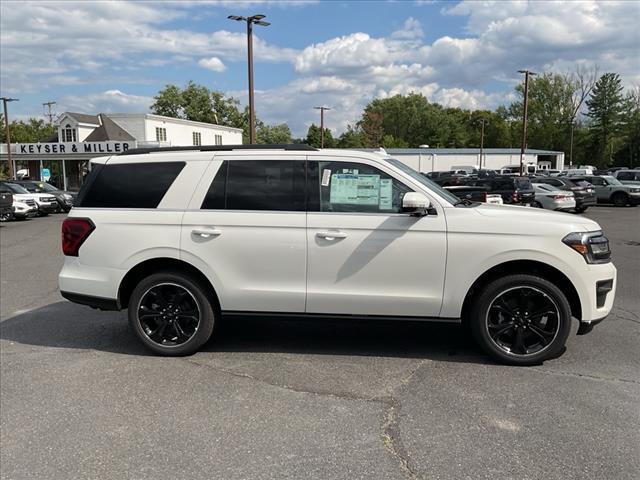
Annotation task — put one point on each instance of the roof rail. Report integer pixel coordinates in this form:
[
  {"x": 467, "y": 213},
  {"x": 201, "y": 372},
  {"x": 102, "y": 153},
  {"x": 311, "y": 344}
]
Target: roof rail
[{"x": 219, "y": 148}]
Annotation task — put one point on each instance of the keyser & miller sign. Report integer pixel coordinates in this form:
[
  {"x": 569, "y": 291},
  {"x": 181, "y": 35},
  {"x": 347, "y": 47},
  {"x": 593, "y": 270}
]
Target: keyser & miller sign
[{"x": 67, "y": 148}]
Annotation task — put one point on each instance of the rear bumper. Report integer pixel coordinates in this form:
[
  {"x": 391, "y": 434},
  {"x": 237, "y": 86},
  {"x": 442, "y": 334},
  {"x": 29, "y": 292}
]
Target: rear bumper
[
  {"x": 94, "y": 302},
  {"x": 79, "y": 281},
  {"x": 586, "y": 201}
]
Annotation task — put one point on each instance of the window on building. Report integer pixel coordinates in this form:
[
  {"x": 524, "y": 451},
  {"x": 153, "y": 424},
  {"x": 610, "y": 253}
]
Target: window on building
[
  {"x": 69, "y": 134},
  {"x": 218, "y": 139},
  {"x": 128, "y": 185},
  {"x": 197, "y": 138},
  {"x": 258, "y": 185},
  {"x": 161, "y": 134}
]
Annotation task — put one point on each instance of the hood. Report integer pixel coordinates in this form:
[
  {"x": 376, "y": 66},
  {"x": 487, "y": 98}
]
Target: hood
[
  {"x": 531, "y": 216},
  {"x": 25, "y": 196}
]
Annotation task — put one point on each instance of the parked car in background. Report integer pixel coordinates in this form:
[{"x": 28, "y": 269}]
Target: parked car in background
[
  {"x": 610, "y": 190},
  {"x": 475, "y": 194},
  {"x": 513, "y": 189},
  {"x": 22, "y": 207},
  {"x": 552, "y": 198},
  {"x": 64, "y": 199},
  {"x": 583, "y": 192},
  {"x": 46, "y": 203},
  {"x": 627, "y": 177},
  {"x": 6, "y": 204},
  {"x": 447, "y": 178},
  {"x": 577, "y": 171}
]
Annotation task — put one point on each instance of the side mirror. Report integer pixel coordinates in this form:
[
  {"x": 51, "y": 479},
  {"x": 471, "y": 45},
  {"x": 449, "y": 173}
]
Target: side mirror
[{"x": 416, "y": 204}]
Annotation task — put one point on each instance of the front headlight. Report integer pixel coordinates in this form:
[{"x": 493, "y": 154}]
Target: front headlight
[
  {"x": 66, "y": 196},
  {"x": 593, "y": 246}
]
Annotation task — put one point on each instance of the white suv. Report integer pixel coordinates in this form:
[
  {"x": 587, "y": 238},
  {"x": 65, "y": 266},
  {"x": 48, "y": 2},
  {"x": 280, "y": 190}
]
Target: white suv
[{"x": 183, "y": 236}]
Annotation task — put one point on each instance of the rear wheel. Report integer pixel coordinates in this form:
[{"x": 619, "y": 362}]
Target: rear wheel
[
  {"x": 5, "y": 217},
  {"x": 521, "y": 320},
  {"x": 619, "y": 199},
  {"x": 171, "y": 314},
  {"x": 581, "y": 209},
  {"x": 537, "y": 205}
]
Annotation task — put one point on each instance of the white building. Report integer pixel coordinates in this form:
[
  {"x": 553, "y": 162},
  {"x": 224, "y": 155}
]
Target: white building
[
  {"x": 437, "y": 159},
  {"x": 81, "y": 137}
]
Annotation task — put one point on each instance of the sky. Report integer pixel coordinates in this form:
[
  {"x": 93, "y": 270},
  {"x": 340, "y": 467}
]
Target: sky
[{"x": 112, "y": 57}]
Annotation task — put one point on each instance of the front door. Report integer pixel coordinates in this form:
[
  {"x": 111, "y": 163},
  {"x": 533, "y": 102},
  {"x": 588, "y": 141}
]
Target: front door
[
  {"x": 365, "y": 256},
  {"x": 246, "y": 230}
]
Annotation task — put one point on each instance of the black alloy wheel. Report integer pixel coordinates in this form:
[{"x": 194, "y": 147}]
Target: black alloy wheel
[
  {"x": 521, "y": 319},
  {"x": 171, "y": 313},
  {"x": 168, "y": 314},
  {"x": 537, "y": 204}
]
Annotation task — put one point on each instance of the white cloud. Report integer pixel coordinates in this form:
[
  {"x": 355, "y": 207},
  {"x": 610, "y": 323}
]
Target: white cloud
[
  {"x": 109, "y": 101},
  {"x": 410, "y": 30},
  {"x": 213, "y": 63}
]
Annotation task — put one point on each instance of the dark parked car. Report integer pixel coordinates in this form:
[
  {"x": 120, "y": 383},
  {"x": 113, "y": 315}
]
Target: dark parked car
[
  {"x": 513, "y": 189},
  {"x": 583, "y": 192},
  {"x": 447, "y": 178},
  {"x": 610, "y": 190},
  {"x": 6, "y": 205},
  {"x": 64, "y": 199}
]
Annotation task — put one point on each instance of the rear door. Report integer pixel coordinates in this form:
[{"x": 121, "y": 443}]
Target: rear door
[
  {"x": 245, "y": 228},
  {"x": 366, "y": 257}
]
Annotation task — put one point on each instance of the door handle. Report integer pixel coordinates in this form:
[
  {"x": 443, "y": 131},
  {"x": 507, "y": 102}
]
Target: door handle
[
  {"x": 206, "y": 232},
  {"x": 331, "y": 235}
]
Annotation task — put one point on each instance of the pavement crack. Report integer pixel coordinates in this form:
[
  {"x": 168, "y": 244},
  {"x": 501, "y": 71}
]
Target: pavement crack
[
  {"x": 584, "y": 375},
  {"x": 391, "y": 437}
]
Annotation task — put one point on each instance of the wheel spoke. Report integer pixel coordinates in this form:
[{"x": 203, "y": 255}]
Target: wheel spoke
[
  {"x": 545, "y": 336},
  {"x": 519, "y": 342}
]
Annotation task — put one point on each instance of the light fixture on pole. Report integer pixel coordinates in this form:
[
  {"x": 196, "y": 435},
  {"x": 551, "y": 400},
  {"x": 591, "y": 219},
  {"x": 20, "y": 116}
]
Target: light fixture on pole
[
  {"x": 527, "y": 73},
  {"x": 257, "y": 19},
  {"x": 322, "y": 109},
  {"x": 12, "y": 167}
]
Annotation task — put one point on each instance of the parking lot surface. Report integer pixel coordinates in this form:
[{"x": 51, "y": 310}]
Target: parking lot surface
[{"x": 269, "y": 398}]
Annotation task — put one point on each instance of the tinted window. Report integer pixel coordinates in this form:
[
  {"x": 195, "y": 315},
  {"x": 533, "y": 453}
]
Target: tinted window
[
  {"x": 129, "y": 185},
  {"x": 523, "y": 183},
  {"x": 356, "y": 187},
  {"x": 259, "y": 185}
]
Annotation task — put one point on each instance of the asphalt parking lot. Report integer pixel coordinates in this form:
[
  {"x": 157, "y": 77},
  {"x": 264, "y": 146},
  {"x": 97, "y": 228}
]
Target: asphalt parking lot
[{"x": 80, "y": 398}]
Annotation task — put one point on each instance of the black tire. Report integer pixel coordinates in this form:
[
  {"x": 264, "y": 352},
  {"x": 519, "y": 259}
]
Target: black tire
[
  {"x": 168, "y": 342},
  {"x": 581, "y": 209},
  {"x": 6, "y": 217},
  {"x": 619, "y": 199},
  {"x": 549, "y": 330},
  {"x": 536, "y": 204}
]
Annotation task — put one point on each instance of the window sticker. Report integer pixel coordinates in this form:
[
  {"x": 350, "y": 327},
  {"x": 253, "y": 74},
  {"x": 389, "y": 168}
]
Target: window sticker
[
  {"x": 386, "y": 194},
  {"x": 353, "y": 189},
  {"x": 326, "y": 176}
]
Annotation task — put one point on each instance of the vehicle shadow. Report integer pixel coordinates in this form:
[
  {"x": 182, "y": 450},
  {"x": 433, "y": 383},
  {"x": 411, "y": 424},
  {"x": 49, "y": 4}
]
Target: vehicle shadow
[{"x": 66, "y": 325}]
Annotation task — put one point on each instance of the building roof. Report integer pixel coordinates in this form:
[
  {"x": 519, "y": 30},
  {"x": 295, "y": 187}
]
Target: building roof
[
  {"x": 84, "y": 118},
  {"x": 108, "y": 130},
  {"x": 461, "y": 151},
  {"x": 153, "y": 116}
]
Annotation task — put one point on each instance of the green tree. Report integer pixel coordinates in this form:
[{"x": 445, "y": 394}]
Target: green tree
[
  {"x": 200, "y": 104},
  {"x": 351, "y": 138},
  {"x": 32, "y": 131},
  {"x": 313, "y": 137},
  {"x": 605, "y": 107},
  {"x": 629, "y": 152},
  {"x": 273, "y": 134}
]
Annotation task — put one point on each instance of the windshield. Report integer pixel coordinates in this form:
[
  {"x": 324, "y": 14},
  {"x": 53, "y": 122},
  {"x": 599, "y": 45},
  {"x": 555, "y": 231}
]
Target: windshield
[
  {"x": 418, "y": 177},
  {"x": 16, "y": 188},
  {"x": 47, "y": 187},
  {"x": 522, "y": 183},
  {"x": 611, "y": 180}
]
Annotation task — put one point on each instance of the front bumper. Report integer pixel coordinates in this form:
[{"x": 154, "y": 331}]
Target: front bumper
[
  {"x": 596, "y": 304},
  {"x": 47, "y": 207},
  {"x": 634, "y": 199}
]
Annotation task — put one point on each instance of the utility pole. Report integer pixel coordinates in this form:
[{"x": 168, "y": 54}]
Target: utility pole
[
  {"x": 571, "y": 145},
  {"x": 482, "y": 123},
  {"x": 322, "y": 109},
  {"x": 527, "y": 73},
  {"x": 12, "y": 167},
  {"x": 50, "y": 113},
  {"x": 257, "y": 19}
]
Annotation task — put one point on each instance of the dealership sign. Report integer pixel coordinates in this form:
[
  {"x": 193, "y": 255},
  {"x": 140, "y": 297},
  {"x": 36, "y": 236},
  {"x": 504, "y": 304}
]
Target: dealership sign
[{"x": 70, "y": 148}]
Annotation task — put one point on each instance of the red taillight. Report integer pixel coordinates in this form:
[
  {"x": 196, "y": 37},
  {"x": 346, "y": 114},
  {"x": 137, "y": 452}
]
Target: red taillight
[
  {"x": 514, "y": 197},
  {"x": 484, "y": 197},
  {"x": 74, "y": 232},
  {"x": 559, "y": 197}
]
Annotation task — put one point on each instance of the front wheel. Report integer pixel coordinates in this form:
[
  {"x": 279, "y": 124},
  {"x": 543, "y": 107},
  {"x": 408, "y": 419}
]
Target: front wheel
[
  {"x": 521, "y": 320},
  {"x": 537, "y": 205},
  {"x": 581, "y": 209},
  {"x": 619, "y": 199},
  {"x": 171, "y": 314}
]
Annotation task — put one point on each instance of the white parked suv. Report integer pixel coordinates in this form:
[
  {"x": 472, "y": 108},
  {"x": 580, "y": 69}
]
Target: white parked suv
[{"x": 184, "y": 236}]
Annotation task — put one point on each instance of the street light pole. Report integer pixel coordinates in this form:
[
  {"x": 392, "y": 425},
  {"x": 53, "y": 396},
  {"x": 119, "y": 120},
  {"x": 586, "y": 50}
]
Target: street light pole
[
  {"x": 257, "y": 19},
  {"x": 527, "y": 73},
  {"x": 12, "y": 167},
  {"x": 322, "y": 109},
  {"x": 571, "y": 145},
  {"x": 482, "y": 123}
]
